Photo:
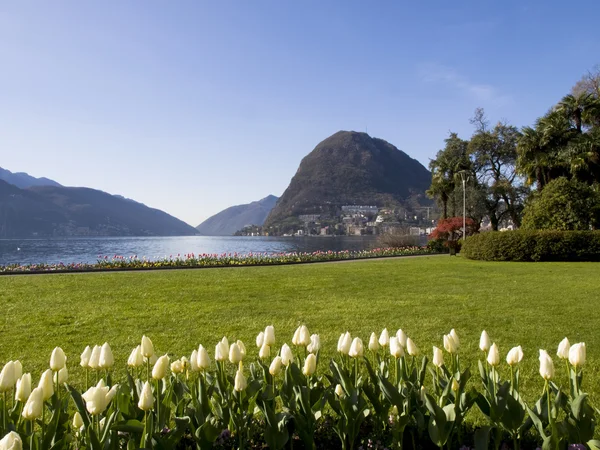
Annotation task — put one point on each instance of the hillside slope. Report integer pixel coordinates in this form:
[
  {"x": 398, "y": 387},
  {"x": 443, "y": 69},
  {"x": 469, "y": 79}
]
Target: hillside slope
[
  {"x": 234, "y": 218},
  {"x": 24, "y": 180}
]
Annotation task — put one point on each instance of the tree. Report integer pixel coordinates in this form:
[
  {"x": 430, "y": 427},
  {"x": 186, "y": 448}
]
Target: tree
[
  {"x": 563, "y": 205},
  {"x": 589, "y": 83}
]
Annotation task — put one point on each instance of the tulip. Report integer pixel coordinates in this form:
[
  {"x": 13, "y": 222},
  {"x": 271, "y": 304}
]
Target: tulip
[
  {"x": 455, "y": 337},
  {"x": 225, "y": 343},
  {"x": 514, "y": 356},
  {"x": 450, "y": 344},
  {"x": 203, "y": 359},
  {"x": 12, "y": 441},
  {"x": 185, "y": 363},
  {"x": 106, "y": 357},
  {"x": 563, "y": 349},
  {"x": 396, "y": 350},
  {"x": 77, "y": 420},
  {"x": 235, "y": 355},
  {"x": 259, "y": 339},
  {"x": 286, "y": 355},
  {"x": 18, "y": 369},
  {"x": 384, "y": 338},
  {"x": 147, "y": 347},
  {"x": 85, "y": 357},
  {"x": 98, "y": 397},
  {"x": 546, "y": 366},
  {"x": 177, "y": 367},
  {"x": 356, "y": 348},
  {"x": 484, "y": 341},
  {"x": 146, "y": 402},
  {"x": 94, "y": 362},
  {"x": 63, "y": 375},
  {"x": 402, "y": 338},
  {"x": 34, "y": 406},
  {"x": 339, "y": 391},
  {"x": 269, "y": 338},
  {"x": 23, "y": 388},
  {"x": 310, "y": 365},
  {"x": 423, "y": 393},
  {"x": 493, "y": 357},
  {"x": 240, "y": 380},
  {"x": 344, "y": 343},
  {"x": 438, "y": 357},
  {"x": 577, "y": 354},
  {"x": 159, "y": 371},
  {"x": 136, "y": 359},
  {"x": 47, "y": 384},
  {"x": 112, "y": 393},
  {"x": 455, "y": 385},
  {"x": 194, "y": 361},
  {"x": 264, "y": 352},
  {"x": 57, "y": 359},
  {"x": 373, "y": 343},
  {"x": 296, "y": 338},
  {"x": 221, "y": 351},
  {"x": 242, "y": 348},
  {"x": 275, "y": 366},
  {"x": 304, "y": 338},
  {"x": 315, "y": 343},
  {"x": 8, "y": 377},
  {"x": 411, "y": 347}
]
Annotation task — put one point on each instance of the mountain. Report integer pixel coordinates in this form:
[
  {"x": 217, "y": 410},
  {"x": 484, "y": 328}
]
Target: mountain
[
  {"x": 24, "y": 180},
  {"x": 350, "y": 168},
  {"x": 237, "y": 217},
  {"x": 73, "y": 211}
]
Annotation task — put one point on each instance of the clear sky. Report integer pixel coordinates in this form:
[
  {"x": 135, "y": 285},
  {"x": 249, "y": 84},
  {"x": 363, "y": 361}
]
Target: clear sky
[{"x": 194, "y": 106}]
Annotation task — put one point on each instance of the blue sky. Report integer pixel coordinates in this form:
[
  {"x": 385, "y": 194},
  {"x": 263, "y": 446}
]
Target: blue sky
[{"x": 194, "y": 106}]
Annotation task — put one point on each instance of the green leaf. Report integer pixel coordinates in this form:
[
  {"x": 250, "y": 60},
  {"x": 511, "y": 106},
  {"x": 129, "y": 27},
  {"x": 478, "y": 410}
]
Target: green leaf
[
  {"x": 128, "y": 426},
  {"x": 482, "y": 438}
]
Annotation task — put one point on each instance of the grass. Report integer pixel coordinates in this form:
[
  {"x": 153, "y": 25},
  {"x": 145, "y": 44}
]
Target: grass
[{"x": 530, "y": 304}]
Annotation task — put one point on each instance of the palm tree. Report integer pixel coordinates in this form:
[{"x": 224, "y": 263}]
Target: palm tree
[{"x": 574, "y": 107}]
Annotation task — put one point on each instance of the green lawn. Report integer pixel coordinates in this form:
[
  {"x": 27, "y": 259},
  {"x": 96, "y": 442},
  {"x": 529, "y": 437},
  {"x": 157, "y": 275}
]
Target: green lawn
[{"x": 531, "y": 304}]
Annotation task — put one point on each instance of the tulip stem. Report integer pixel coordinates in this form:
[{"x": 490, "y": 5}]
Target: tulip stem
[
  {"x": 4, "y": 412},
  {"x": 86, "y": 379},
  {"x": 568, "y": 372},
  {"x": 158, "y": 405},
  {"x": 143, "y": 443}
]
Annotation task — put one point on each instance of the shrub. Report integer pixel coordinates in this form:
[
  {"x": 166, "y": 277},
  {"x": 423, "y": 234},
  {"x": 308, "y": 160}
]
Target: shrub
[
  {"x": 534, "y": 245},
  {"x": 398, "y": 239}
]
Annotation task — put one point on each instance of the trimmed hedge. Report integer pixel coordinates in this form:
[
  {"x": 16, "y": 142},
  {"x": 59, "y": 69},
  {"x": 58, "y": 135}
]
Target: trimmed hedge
[{"x": 533, "y": 245}]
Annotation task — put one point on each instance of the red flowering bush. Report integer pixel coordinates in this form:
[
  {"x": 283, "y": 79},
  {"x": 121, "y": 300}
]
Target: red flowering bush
[{"x": 449, "y": 231}]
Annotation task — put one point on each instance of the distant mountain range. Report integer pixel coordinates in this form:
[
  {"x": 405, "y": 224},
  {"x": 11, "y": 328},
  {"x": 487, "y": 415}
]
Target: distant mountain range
[
  {"x": 23, "y": 180},
  {"x": 349, "y": 168},
  {"x": 234, "y": 218}
]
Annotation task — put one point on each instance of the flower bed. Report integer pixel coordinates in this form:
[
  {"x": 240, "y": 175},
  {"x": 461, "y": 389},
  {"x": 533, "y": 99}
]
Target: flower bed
[
  {"x": 381, "y": 394},
  {"x": 191, "y": 260}
]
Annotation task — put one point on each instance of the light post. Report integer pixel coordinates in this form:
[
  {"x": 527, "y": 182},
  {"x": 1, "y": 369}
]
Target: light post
[{"x": 464, "y": 176}]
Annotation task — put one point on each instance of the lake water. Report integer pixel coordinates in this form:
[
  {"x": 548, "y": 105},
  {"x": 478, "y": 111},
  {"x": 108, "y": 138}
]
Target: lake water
[{"x": 87, "y": 250}]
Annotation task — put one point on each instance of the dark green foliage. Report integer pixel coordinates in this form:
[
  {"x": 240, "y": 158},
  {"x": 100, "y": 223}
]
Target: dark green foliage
[
  {"x": 564, "y": 205},
  {"x": 526, "y": 245}
]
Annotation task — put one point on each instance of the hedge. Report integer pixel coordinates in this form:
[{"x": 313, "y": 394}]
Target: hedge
[{"x": 533, "y": 245}]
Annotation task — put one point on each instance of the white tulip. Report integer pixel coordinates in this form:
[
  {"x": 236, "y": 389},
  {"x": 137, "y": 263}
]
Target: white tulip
[
  {"x": 147, "y": 347},
  {"x": 146, "y": 402},
  {"x": 577, "y": 354},
  {"x": 287, "y": 356},
  {"x": 18, "y": 369},
  {"x": 57, "y": 359},
  {"x": 493, "y": 357},
  {"x": 111, "y": 394},
  {"x": 8, "y": 377},
  {"x": 275, "y": 367},
  {"x": 455, "y": 385},
  {"x": 339, "y": 391},
  {"x": 356, "y": 348},
  {"x": 77, "y": 421},
  {"x": 484, "y": 341},
  {"x": 203, "y": 359},
  {"x": 136, "y": 359},
  {"x": 315, "y": 344},
  {"x": 396, "y": 350},
  {"x": 450, "y": 344},
  {"x": 47, "y": 384},
  {"x": 85, "y": 357},
  {"x": 96, "y": 399},
  {"x": 242, "y": 348},
  {"x": 304, "y": 338},
  {"x": 546, "y": 366},
  {"x": 455, "y": 337},
  {"x": 402, "y": 338},
  {"x": 235, "y": 355},
  {"x": 63, "y": 375},
  {"x": 259, "y": 339},
  {"x": 177, "y": 367},
  {"x": 269, "y": 335},
  {"x": 12, "y": 441},
  {"x": 94, "y": 362},
  {"x": 423, "y": 394},
  {"x": 23, "y": 388},
  {"x": 221, "y": 351},
  {"x": 411, "y": 347},
  {"x": 384, "y": 338},
  {"x": 106, "y": 357},
  {"x": 310, "y": 365},
  {"x": 159, "y": 371},
  {"x": 264, "y": 352},
  {"x": 225, "y": 343},
  {"x": 563, "y": 349},
  {"x": 514, "y": 356},
  {"x": 438, "y": 357},
  {"x": 345, "y": 343},
  {"x": 296, "y": 338},
  {"x": 240, "y": 380},
  {"x": 373, "y": 343},
  {"x": 35, "y": 405},
  {"x": 194, "y": 361}
]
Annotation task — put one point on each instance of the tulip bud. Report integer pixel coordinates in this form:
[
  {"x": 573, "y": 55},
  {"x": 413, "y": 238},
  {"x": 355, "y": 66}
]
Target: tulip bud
[
  {"x": 242, "y": 348},
  {"x": 286, "y": 355},
  {"x": 96, "y": 398},
  {"x": 356, "y": 348},
  {"x": 57, "y": 359},
  {"x": 373, "y": 343},
  {"x": 275, "y": 366},
  {"x": 577, "y": 354},
  {"x": 112, "y": 393},
  {"x": 63, "y": 375},
  {"x": 296, "y": 338},
  {"x": 423, "y": 393},
  {"x": 12, "y": 441},
  {"x": 240, "y": 380},
  {"x": 23, "y": 388},
  {"x": 185, "y": 363},
  {"x": 455, "y": 385},
  {"x": 147, "y": 347},
  {"x": 269, "y": 335},
  {"x": 546, "y": 366},
  {"x": 203, "y": 359},
  {"x": 106, "y": 357},
  {"x": 493, "y": 357},
  {"x": 8, "y": 377},
  {"x": 304, "y": 338},
  {"x": 344, "y": 343},
  {"x": 35, "y": 404},
  {"x": 94, "y": 362},
  {"x": 563, "y": 349},
  {"x": 514, "y": 356},
  {"x": 177, "y": 367},
  {"x": 339, "y": 391},
  {"x": 455, "y": 337},
  {"x": 47, "y": 384},
  {"x": 438, "y": 357},
  {"x": 159, "y": 371},
  {"x": 411, "y": 347},
  {"x": 235, "y": 355},
  {"x": 315, "y": 344},
  {"x": 77, "y": 421},
  {"x": 85, "y": 357},
  {"x": 265, "y": 351},
  {"x": 18, "y": 369},
  {"x": 384, "y": 338},
  {"x": 310, "y": 365},
  {"x": 484, "y": 341},
  {"x": 194, "y": 361},
  {"x": 146, "y": 402},
  {"x": 450, "y": 344},
  {"x": 225, "y": 343},
  {"x": 260, "y": 339},
  {"x": 396, "y": 350},
  {"x": 402, "y": 338},
  {"x": 221, "y": 351},
  {"x": 136, "y": 359}
]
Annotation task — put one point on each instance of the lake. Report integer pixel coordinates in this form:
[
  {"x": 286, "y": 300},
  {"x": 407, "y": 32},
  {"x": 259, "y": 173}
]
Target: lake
[{"x": 88, "y": 249}]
